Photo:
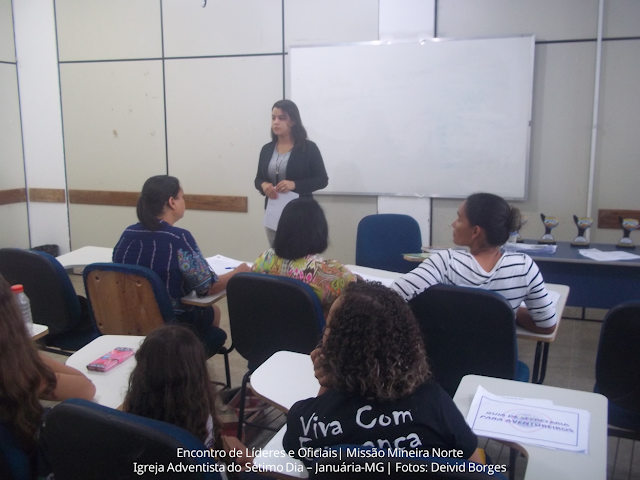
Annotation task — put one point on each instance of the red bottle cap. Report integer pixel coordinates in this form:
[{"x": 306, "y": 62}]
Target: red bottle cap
[{"x": 17, "y": 288}]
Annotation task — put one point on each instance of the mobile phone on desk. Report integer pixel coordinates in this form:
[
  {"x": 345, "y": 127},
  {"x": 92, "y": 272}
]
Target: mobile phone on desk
[{"x": 111, "y": 359}]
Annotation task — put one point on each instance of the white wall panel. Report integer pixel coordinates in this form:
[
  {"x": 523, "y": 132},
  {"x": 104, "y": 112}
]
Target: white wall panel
[
  {"x": 621, "y": 18},
  {"x": 618, "y": 153},
  {"x": 221, "y": 28},
  {"x": 312, "y": 22},
  {"x": 407, "y": 19},
  {"x": 99, "y": 225},
  {"x": 547, "y": 19},
  {"x": 7, "y": 48},
  {"x": 560, "y": 137},
  {"x": 15, "y": 226},
  {"x": 108, "y": 29},
  {"x": 113, "y": 124},
  {"x": 11, "y": 159},
  {"x": 218, "y": 118}
]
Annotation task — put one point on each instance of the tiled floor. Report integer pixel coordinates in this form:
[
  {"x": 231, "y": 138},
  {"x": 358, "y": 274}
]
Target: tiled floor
[{"x": 571, "y": 364}]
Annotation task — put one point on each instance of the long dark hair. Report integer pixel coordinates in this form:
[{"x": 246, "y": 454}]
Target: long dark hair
[
  {"x": 22, "y": 372},
  {"x": 298, "y": 132},
  {"x": 156, "y": 192},
  {"x": 302, "y": 230},
  {"x": 171, "y": 383},
  {"x": 374, "y": 348},
  {"x": 494, "y": 215}
]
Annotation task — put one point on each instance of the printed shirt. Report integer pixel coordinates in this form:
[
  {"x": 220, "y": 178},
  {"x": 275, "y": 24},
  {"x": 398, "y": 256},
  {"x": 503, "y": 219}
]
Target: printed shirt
[
  {"x": 516, "y": 277},
  {"x": 173, "y": 254},
  {"x": 424, "y": 420},
  {"x": 327, "y": 278}
]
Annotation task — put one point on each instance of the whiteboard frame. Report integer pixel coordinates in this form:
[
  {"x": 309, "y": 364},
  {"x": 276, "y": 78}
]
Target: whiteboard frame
[{"x": 439, "y": 40}]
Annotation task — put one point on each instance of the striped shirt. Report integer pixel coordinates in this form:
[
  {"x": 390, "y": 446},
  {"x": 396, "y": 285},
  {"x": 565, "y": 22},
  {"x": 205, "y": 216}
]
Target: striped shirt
[
  {"x": 516, "y": 277},
  {"x": 173, "y": 254}
]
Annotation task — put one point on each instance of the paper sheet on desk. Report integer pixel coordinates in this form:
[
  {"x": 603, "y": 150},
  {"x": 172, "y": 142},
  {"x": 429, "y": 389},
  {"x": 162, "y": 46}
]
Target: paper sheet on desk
[
  {"x": 528, "y": 248},
  {"x": 275, "y": 207},
  {"x": 600, "y": 256},
  {"x": 529, "y": 421},
  {"x": 220, "y": 263}
]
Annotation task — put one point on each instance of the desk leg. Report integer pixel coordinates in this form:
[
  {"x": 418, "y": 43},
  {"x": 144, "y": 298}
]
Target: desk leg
[{"x": 540, "y": 362}]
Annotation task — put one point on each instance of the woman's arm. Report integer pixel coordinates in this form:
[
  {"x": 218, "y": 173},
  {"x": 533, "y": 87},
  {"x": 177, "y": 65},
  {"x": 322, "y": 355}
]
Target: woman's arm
[
  {"x": 70, "y": 383},
  {"x": 221, "y": 284},
  {"x": 540, "y": 314},
  {"x": 263, "y": 160},
  {"x": 525, "y": 320},
  {"x": 317, "y": 177}
]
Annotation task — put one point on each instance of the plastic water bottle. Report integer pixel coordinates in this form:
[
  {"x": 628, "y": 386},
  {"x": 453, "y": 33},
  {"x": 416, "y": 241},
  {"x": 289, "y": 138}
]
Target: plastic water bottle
[{"x": 25, "y": 306}]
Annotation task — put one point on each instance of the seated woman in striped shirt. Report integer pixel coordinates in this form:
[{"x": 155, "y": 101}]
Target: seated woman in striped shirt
[{"x": 483, "y": 224}]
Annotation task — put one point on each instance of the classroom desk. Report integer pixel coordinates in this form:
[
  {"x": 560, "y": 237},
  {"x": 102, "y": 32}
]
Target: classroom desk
[
  {"x": 85, "y": 256},
  {"x": 545, "y": 463},
  {"x": 111, "y": 386},
  {"x": 593, "y": 284},
  {"x": 38, "y": 331},
  {"x": 287, "y": 377},
  {"x": 543, "y": 340}
]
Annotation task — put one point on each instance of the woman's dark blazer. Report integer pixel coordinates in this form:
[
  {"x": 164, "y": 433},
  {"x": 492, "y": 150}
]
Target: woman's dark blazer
[{"x": 305, "y": 167}]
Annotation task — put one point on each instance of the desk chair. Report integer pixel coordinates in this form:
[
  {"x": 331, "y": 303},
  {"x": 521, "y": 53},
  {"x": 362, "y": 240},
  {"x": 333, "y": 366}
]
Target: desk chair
[
  {"x": 400, "y": 467},
  {"x": 267, "y": 314},
  {"x": 131, "y": 300},
  {"x": 618, "y": 369},
  {"x": 86, "y": 440},
  {"x": 468, "y": 331},
  {"x": 382, "y": 240},
  {"x": 54, "y": 302},
  {"x": 14, "y": 461}
]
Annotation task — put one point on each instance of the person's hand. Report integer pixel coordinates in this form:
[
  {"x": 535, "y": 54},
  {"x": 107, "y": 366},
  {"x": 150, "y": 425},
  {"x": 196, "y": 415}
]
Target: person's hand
[
  {"x": 269, "y": 190},
  {"x": 243, "y": 267},
  {"x": 324, "y": 379},
  {"x": 285, "y": 186}
]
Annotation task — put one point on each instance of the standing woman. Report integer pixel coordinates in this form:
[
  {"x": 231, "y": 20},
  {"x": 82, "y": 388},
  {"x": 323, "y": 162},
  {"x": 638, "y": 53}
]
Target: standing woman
[{"x": 290, "y": 162}]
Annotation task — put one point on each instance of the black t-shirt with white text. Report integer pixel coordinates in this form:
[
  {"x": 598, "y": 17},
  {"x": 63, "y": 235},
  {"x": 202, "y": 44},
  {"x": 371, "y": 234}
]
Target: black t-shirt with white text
[{"x": 427, "y": 419}]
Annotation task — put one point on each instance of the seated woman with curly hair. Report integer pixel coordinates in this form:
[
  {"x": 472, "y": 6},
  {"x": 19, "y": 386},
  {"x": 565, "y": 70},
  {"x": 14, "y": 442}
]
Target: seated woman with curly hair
[{"x": 375, "y": 386}]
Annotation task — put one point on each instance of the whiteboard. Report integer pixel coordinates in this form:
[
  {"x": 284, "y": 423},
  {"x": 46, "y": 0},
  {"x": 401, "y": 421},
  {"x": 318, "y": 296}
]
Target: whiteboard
[{"x": 438, "y": 118}]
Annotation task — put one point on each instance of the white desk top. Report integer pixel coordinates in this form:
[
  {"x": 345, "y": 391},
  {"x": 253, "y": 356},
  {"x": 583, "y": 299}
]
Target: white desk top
[
  {"x": 272, "y": 380},
  {"x": 545, "y": 463},
  {"x": 111, "y": 386},
  {"x": 85, "y": 256},
  {"x": 38, "y": 331}
]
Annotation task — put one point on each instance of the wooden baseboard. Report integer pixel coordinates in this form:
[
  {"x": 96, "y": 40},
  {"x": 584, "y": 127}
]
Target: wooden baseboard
[
  {"x": 14, "y": 195},
  {"x": 223, "y": 203},
  {"x": 610, "y": 218},
  {"x": 48, "y": 195}
]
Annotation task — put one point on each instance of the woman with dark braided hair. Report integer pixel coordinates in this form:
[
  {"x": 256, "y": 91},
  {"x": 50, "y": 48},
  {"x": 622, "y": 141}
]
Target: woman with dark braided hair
[
  {"x": 483, "y": 225},
  {"x": 375, "y": 386}
]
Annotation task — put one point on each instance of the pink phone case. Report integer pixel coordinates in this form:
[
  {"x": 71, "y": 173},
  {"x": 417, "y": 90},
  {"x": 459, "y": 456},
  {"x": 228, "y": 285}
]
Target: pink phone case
[{"x": 111, "y": 359}]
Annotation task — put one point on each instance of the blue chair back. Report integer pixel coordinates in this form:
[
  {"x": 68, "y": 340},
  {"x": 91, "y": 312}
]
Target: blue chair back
[
  {"x": 14, "y": 461},
  {"x": 382, "y": 239},
  {"x": 54, "y": 302},
  {"x": 86, "y": 440},
  {"x": 126, "y": 299},
  {"x": 269, "y": 313},
  {"x": 376, "y": 464},
  {"x": 468, "y": 331},
  {"x": 618, "y": 365}
]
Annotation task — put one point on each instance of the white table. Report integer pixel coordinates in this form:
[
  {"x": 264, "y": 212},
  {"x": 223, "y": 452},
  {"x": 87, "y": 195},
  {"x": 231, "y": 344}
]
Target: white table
[
  {"x": 111, "y": 386},
  {"x": 545, "y": 463},
  {"x": 38, "y": 331},
  {"x": 85, "y": 256}
]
